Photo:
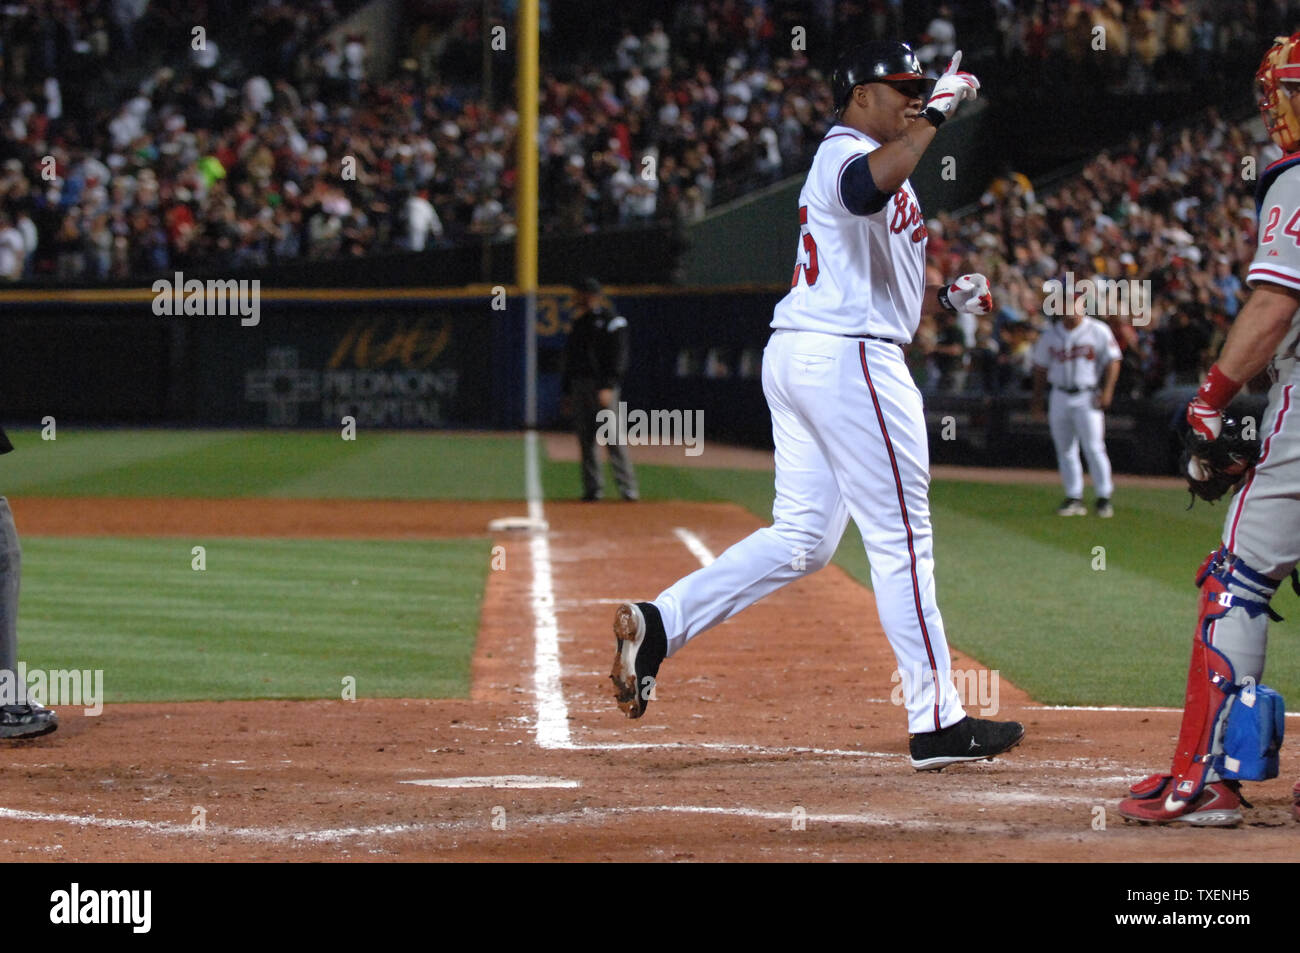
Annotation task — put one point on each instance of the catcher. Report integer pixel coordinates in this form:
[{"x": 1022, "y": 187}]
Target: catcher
[{"x": 1232, "y": 724}]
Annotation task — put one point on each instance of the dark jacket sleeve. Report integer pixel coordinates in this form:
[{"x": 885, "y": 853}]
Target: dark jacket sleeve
[
  {"x": 616, "y": 352},
  {"x": 5, "y": 445}
]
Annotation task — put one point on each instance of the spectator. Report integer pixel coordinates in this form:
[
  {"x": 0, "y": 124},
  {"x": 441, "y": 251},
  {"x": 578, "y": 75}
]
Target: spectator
[
  {"x": 421, "y": 220},
  {"x": 940, "y": 40},
  {"x": 12, "y": 250},
  {"x": 656, "y": 48}
]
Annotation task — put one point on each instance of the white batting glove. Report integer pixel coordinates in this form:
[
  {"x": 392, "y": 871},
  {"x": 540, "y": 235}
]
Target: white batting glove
[
  {"x": 969, "y": 294},
  {"x": 952, "y": 88}
]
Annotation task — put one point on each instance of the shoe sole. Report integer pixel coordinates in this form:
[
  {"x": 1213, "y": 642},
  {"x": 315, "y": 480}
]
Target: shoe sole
[
  {"x": 1072, "y": 513},
  {"x": 1223, "y": 818},
  {"x": 1106, "y": 516},
  {"x": 629, "y": 633},
  {"x": 25, "y": 732},
  {"x": 938, "y": 764}
]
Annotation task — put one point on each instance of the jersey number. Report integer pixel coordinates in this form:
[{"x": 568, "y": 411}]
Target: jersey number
[
  {"x": 810, "y": 246},
  {"x": 1292, "y": 228}
]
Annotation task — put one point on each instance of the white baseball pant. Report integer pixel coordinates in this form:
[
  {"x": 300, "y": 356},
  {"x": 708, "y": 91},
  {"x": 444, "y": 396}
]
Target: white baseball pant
[
  {"x": 1075, "y": 423},
  {"x": 850, "y": 440}
]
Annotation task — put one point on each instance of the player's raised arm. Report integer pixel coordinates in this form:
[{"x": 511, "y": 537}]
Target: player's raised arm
[{"x": 903, "y": 120}]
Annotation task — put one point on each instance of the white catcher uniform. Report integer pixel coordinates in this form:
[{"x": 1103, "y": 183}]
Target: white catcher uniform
[
  {"x": 1076, "y": 361},
  {"x": 849, "y": 432}
]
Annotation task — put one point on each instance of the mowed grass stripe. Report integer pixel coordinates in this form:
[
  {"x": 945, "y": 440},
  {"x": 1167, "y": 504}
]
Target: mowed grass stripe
[
  {"x": 267, "y": 619},
  {"x": 1152, "y": 533},
  {"x": 418, "y": 466},
  {"x": 290, "y": 464},
  {"x": 78, "y": 458}
]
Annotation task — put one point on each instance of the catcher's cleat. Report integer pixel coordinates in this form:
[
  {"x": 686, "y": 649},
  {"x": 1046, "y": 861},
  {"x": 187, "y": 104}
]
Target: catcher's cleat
[
  {"x": 1104, "y": 509},
  {"x": 1072, "y": 507},
  {"x": 1218, "y": 805},
  {"x": 971, "y": 739},
  {"x": 26, "y": 721},
  {"x": 640, "y": 647}
]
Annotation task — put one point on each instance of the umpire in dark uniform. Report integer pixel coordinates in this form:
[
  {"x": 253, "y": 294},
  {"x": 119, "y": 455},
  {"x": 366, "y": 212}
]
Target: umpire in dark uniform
[
  {"x": 20, "y": 717},
  {"x": 595, "y": 361}
]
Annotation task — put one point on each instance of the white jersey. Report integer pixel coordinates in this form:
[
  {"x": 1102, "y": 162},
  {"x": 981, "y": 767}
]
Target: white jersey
[
  {"x": 1076, "y": 360},
  {"x": 854, "y": 274}
]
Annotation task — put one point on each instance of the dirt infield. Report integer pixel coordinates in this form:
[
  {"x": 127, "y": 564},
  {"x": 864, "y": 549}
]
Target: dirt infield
[{"x": 773, "y": 737}]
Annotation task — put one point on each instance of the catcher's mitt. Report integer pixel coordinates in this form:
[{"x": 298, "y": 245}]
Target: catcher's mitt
[{"x": 1213, "y": 467}]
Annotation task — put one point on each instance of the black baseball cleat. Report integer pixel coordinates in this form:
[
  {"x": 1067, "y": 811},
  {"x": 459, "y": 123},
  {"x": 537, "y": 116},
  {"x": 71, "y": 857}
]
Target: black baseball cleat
[
  {"x": 640, "y": 647},
  {"x": 971, "y": 739},
  {"x": 26, "y": 721}
]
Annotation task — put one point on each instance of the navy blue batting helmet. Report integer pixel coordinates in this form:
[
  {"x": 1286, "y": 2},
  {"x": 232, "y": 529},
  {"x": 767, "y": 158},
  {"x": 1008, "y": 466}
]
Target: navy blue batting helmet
[{"x": 880, "y": 61}]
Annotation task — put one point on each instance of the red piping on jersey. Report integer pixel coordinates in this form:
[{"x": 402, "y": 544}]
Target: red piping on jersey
[
  {"x": 1277, "y": 428},
  {"x": 911, "y": 550},
  {"x": 1286, "y": 158},
  {"x": 1290, "y": 280}
]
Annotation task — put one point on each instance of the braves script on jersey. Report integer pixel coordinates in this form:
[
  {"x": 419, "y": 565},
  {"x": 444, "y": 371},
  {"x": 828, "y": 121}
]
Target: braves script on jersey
[
  {"x": 1077, "y": 358},
  {"x": 855, "y": 274}
]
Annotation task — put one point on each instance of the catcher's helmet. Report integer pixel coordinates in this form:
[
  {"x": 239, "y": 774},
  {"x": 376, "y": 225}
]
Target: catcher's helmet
[
  {"x": 1281, "y": 64},
  {"x": 879, "y": 61}
]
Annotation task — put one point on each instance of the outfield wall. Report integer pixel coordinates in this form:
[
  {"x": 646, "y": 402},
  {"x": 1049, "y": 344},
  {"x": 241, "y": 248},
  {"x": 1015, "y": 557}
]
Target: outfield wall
[{"x": 424, "y": 358}]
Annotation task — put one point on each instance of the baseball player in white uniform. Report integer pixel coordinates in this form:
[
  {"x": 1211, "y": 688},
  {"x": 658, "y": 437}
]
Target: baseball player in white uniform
[
  {"x": 1079, "y": 357},
  {"x": 1232, "y": 724},
  {"x": 847, "y": 419}
]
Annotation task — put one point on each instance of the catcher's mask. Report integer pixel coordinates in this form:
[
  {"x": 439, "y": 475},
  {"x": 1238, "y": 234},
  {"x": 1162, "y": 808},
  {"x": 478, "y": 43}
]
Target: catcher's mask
[
  {"x": 880, "y": 61},
  {"x": 1281, "y": 65}
]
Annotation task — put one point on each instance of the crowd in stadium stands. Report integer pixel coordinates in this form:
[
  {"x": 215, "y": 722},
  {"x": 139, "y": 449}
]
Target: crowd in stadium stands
[
  {"x": 293, "y": 151},
  {"x": 1172, "y": 209},
  {"x": 1148, "y": 44}
]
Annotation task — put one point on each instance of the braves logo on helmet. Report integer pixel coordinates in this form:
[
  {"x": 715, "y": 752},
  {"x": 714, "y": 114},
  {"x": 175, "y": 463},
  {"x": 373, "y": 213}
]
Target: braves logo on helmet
[
  {"x": 1281, "y": 65},
  {"x": 880, "y": 61}
]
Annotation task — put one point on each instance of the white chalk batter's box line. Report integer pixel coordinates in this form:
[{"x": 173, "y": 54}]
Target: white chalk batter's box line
[{"x": 598, "y": 815}]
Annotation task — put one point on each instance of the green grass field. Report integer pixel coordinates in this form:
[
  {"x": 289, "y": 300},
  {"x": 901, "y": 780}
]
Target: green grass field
[
  {"x": 284, "y": 619},
  {"x": 265, "y": 619}
]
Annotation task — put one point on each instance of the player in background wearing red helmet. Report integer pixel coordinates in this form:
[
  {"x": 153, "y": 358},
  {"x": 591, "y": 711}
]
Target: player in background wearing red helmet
[{"x": 1231, "y": 723}]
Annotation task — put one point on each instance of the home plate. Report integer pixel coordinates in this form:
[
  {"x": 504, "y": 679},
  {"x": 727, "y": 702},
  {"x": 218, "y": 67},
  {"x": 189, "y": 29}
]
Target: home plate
[
  {"x": 498, "y": 781},
  {"x": 517, "y": 523}
]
